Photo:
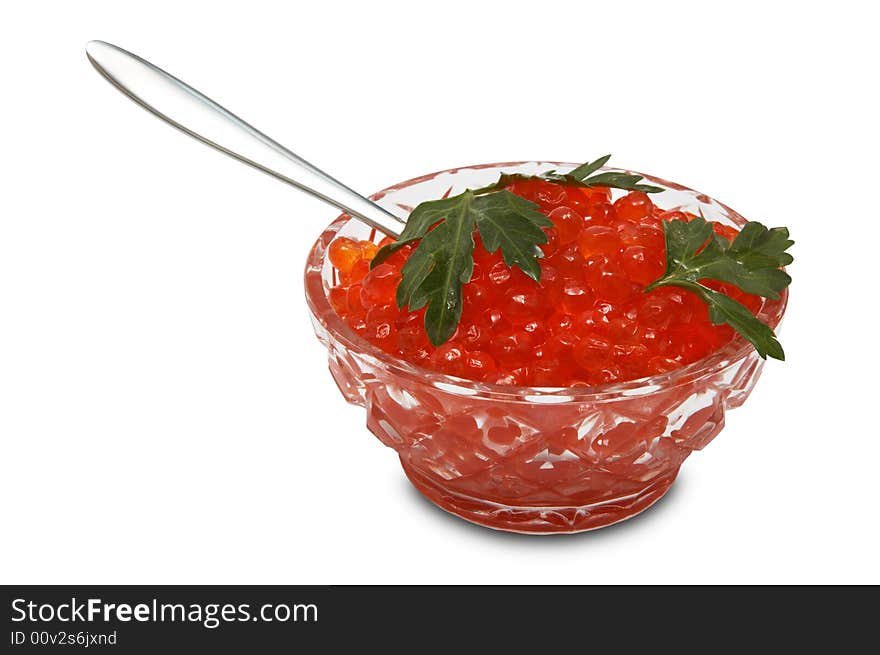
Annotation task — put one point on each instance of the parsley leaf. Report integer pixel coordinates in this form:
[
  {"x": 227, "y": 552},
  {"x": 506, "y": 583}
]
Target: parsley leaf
[
  {"x": 443, "y": 261},
  {"x": 585, "y": 170},
  {"x": 579, "y": 177},
  {"x": 613, "y": 179},
  {"x": 751, "y": 262},
  {"x": 514, "y": 224},
  {"x": 623, "y": 181},
  {"x": 434, "y": 272},
  {"x": 724, "y": 309}
]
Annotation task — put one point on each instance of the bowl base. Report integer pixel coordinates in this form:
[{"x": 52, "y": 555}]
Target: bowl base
[{"x": 541, "y": 519}]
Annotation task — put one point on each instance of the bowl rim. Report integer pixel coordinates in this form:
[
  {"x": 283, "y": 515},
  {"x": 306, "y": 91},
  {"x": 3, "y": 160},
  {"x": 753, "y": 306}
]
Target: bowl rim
[{"x": 730, "y": 354}]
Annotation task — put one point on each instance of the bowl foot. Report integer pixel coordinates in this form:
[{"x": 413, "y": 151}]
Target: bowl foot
[{"x": 541, "y": 519}]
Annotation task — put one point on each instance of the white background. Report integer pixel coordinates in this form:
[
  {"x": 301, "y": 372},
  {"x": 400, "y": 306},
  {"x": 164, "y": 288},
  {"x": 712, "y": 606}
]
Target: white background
[{"x": 166, "y": 415}]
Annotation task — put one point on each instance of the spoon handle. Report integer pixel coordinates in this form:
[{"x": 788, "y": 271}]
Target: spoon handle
[{"x": 193, "y": 113}]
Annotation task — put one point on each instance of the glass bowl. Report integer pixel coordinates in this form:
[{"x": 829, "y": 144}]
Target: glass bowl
[{"x": 528, "y": 459}]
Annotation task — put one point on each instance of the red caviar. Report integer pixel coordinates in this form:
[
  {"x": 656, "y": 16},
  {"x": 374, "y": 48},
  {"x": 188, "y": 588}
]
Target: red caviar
[{"x": 589, "y": 320}]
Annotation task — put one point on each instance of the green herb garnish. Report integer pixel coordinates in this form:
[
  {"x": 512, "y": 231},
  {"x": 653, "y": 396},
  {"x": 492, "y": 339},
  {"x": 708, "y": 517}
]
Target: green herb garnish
[
  {"x": 443, "y": 261},
  {"x": 751, "y": 262},
  {"x": 582, "y": 176},
  {"x": 434, "y": 273}
]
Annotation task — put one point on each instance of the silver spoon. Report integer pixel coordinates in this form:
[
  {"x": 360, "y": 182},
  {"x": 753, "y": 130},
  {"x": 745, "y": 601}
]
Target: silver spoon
[{"x": 193, "y": 113}]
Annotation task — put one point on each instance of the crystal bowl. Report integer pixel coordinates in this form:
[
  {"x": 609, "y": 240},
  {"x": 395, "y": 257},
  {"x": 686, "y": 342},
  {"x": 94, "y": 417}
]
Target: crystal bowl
[{"x": 528, "y": 459}]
